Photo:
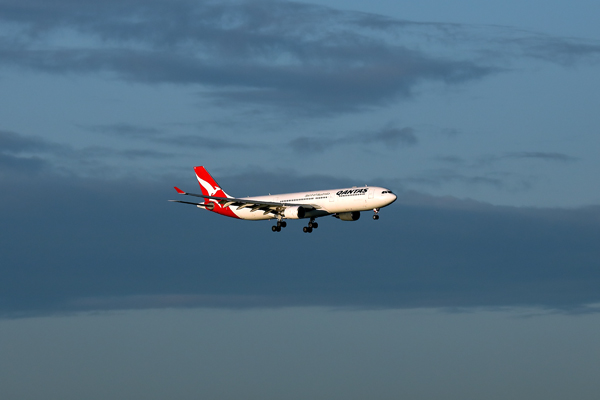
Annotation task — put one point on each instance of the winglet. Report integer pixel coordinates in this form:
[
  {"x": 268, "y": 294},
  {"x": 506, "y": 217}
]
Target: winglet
[{"x": 179, "y": 190}]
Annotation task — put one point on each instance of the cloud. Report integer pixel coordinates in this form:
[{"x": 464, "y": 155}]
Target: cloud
[
  {"x": 479, "y": 172},
  {"x": 74, "y": 244},
  {"x": 30, "y": 154},
  {"x": 199, "y": 141},
  {"x": 103, "y": 153},
  {"x": 566, "y": 51},
  {"x": 296, "y": 57},
  {"x": 391, "y": 137},
  {"x": 25, "y": 154},
  {"x": 125, "y": 130},
  {"x": 14, "y": 143},
  {"x": 453, "y": 160},
  {"x": 161, "y": 137},
  {"x": 10, "y": 164},
  {"x": 307, "y": 145},
  {"x": 543, "y": 156},
  {"x": 441, "y": 176}
]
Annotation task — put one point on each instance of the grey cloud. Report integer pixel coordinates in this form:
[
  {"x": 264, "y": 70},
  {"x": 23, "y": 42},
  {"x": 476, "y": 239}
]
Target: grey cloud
[
  {"x": 101, "y": 152},
  {"x": 303, "y": 58},
  {"x": 29, "y": 154},
  {"x": 544, "y": 156},
  {"x": 25, "y": 154},
  {"x": 490, "y": 160},
  {"x": 450, "y": 132},
  {"x": 307, "y": 145},
  {"x": 392, "y": 137},
  {"x": 484, "y": 170},
  {"x": 110, "y": 245},
  {"x": 389, "y": 136},
  {"x": 10, "y": 164},
  {"x": 159, "y": 136},
  {"x": 125, "y": 130},
  {"x": 442, "y": 176},
  {"x": 457, "y": 174},
  {"x": 566, "y": 51},
  {"x": 455, "y": 160},
  {"x": 14, "y": 143},
  {"x": 205, "y": 142}
]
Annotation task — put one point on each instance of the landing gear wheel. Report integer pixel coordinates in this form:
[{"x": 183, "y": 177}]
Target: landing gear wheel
[
  {"x": 315, "y": 225},
  {"x": 278, "y": 229},
  {"x": 376, "y": 216},
  {"x": 305, "y": 229},
  {"x": 309, "y": 230},
  {"x": 283, "y": 224},
  {"x": 274, "y": 228}
]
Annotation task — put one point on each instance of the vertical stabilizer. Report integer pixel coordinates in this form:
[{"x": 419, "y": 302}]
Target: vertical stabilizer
[{"x": 208, "y": 185}]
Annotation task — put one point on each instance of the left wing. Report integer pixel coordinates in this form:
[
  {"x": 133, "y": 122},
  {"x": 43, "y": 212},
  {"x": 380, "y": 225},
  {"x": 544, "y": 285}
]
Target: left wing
[{"x": 254, "y": 205}]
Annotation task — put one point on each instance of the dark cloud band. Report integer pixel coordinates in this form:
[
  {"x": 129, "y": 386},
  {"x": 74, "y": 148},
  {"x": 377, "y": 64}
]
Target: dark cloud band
[{"x": 109, "y": 245}]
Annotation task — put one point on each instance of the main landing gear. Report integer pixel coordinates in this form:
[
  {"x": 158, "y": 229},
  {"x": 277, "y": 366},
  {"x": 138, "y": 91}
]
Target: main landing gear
[
  {"x": 280, "y": 224},
  {"x": 376, "y": 215},
  {"x": 307, "y": 229},
  {"x": 312, "y": 224}
]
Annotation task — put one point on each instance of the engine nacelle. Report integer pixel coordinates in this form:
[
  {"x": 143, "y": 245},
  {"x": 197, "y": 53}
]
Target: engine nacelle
[
  {"x": 349, "y": 216},
  {"x": 294, "y": 212}
]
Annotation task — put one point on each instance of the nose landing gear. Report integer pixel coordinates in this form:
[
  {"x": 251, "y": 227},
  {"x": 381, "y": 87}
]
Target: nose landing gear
[{"x": 376, "y": 215}]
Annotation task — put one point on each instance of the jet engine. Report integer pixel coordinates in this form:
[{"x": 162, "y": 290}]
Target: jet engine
[
  {"x": 209, "y": 206},
  {"x": 348, "y": 216},
  {"x": 294, "y": 212}
]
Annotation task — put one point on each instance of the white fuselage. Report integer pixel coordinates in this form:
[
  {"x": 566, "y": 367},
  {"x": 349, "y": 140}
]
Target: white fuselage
[{"x": 328, "y": 201}]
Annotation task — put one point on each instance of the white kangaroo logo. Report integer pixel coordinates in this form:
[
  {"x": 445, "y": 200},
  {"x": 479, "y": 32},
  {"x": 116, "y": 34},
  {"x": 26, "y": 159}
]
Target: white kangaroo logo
[{"x": 209, "y": 188}]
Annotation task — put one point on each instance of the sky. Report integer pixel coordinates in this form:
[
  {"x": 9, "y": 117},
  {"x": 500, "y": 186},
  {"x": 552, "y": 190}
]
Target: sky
[{"x": 481, "y": 280}]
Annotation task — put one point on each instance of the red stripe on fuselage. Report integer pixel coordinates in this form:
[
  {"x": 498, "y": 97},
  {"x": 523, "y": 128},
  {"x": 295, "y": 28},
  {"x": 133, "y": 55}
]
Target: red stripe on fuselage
[{"x": 226, "y": 211}]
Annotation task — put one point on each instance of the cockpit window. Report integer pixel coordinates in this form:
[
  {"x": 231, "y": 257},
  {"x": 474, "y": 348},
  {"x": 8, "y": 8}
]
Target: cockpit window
[{"x": 386, "y": 191}]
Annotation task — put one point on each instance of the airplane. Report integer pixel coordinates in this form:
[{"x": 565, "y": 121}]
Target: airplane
[{"x": 344, "y": 204}]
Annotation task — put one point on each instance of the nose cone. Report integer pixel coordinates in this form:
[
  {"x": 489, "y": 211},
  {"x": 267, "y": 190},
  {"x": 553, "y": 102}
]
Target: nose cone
[{"x": 394, "y": 197}]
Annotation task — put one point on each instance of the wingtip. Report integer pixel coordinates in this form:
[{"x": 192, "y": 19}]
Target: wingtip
[{"x": 179, "y": 190}]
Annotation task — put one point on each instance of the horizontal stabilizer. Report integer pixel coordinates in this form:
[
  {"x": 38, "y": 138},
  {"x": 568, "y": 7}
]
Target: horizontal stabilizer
[{"x": 189, "y": 202}]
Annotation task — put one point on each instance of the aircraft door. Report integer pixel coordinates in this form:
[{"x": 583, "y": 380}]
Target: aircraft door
[
  {"x": 331, "y": 197},
  {"x": 371, "y": 192}
]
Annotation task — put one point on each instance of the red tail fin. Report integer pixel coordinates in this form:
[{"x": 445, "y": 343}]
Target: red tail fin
[{"x": 208, "y": 185}]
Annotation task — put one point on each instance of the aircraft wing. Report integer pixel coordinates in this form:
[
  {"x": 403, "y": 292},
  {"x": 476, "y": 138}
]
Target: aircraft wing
[{"x": 254, "y": 205}]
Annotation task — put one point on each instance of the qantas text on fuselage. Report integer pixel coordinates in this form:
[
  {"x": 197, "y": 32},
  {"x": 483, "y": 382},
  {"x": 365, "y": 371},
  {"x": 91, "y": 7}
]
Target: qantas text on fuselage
[{"x": 345, "y": 204}]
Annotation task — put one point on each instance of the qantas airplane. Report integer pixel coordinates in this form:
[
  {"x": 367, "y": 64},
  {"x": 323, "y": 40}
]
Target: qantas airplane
[{"x": 345, "y": 204}]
